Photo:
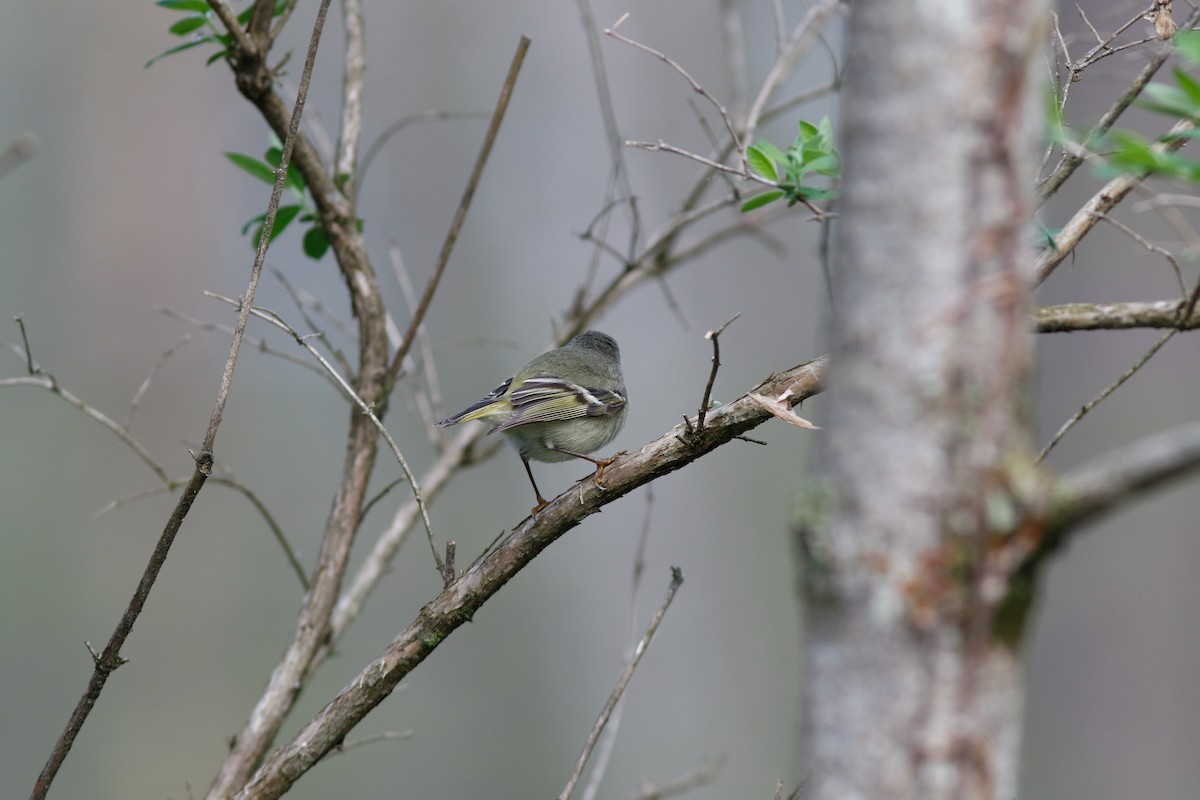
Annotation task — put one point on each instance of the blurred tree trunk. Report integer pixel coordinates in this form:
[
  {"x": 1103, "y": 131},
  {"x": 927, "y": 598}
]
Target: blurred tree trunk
[{"x": 911, "y": 689}]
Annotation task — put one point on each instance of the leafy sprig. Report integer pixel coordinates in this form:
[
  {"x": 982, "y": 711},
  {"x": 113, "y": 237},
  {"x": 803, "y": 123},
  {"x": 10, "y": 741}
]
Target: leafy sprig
[{"x": 812, "y": 152}]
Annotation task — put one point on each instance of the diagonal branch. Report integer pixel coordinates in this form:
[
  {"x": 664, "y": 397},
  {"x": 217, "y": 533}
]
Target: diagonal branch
[
  {"x": 460, "y": 214},
  {"x": 1108, "y": 482},
  {"x": 1105, "y": 200},
  {"x": 622, "y": 682},
  {"x": 459, "y": 601}
]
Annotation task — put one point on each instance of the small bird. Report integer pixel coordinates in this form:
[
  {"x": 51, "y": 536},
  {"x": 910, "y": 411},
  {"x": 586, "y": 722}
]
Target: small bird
[{"x": 561, "y": 405}]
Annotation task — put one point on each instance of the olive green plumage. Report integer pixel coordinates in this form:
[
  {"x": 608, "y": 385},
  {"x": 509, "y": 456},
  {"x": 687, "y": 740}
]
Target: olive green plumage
[{"x": 561, "y": 405}]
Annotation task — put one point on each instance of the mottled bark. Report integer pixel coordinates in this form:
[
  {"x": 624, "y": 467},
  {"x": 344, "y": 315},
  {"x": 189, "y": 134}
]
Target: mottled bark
[{"x": 909, "y": 691}]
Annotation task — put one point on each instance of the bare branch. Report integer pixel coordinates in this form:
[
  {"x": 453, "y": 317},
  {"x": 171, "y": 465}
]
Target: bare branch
[
  {"x": 733, "y": 45},
  {"x": 255, "y": 344},
  {"x": 461, "y": 213},
  {"x": 431, "y": 410},
  {"x": 1072, "y": 161},
  {"x": 714, "y": 336},
  {"x": 622, "y": 682},
  {"x": 1100, "y": 204},
  {"x": 706, "y": 774},
  {"x": 1088, "y": 406},
  {"x": 696, "y": 87},
  {"x": 43, "y": 380},
  {"x": 355, "y": 67},
  {"x": 141, "y": 391},
  {"x": 399, "y": 125},
  {"x": 1112, "y": 316},
  {"x": 302, "y": 340},
  {"x": 798, "y": 44},
  {"x": 1108, "y": 482}
]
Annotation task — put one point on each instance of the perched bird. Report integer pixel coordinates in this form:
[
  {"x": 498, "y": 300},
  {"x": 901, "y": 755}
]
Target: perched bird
[{"x": 563, "y": 404}]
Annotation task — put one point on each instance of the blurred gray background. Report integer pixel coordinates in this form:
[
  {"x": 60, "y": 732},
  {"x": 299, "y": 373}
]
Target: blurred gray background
[{"x": 129, "y": 205}]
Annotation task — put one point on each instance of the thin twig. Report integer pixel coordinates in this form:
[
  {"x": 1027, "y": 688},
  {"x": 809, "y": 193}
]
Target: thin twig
[
  {"x": 44, "y": 380},
  {"x": 696, "y": 87},
  {"x": 715, "y": 337},
  {"x": 733, "y": 45},
  {"x": 605, "y": 749},
  {"x": 1153, "y": 248},
  {"x": 618, "y": 177},
  {"x": 219, "y": 480},
  {"x": 704, "y": 775},
  {"x": 796, "y": 46},
  {"x": 1101, "y": 203},
  {"x": 302, "y": 340},
  {"x": 399, "y": 125},
  {"x": 1083, "y": 411},
  {"x": 303, "y": 302},
  {"x": 622, "y": 682},
  {"x": 386, "y": 736},
  {"x": 259, "y": 345},
  {"x": 141, "y": 390},
  {"x": 1071, "y": 162},
  {"x": 464, "y": 204},
  {"x": 433, "y": 386}
]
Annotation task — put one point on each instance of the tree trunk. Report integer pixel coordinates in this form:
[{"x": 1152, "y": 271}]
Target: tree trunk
[{"x": 910, "y": 689}]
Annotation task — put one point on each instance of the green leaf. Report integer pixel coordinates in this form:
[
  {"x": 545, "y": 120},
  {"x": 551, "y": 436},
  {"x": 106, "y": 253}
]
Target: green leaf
[
  {"x": 807, "y": 130},
  {"x": 761, "y": 163},
  {"x": 216, "y": 57},
  {"x": 771, "y": 151},
  {"x": 812, "y": 193},
  {"x": 188, "y": 24},
  {"x": 826, "y": 128},
  {"x": 253, "y": 166},
  {"x": 315, "y": 243},
  {"x": 758, "y": 201},
  {"x": 1188, "y": 84},
  {"x": 1188, "y": 45},
  {"x": 824, "y": 165},
  {"x": 250, "y": 223},
  {"x": 1170, "y": 101},
  {"x": 294, "y": 181},
  {"x": 283, "y": 218},
  {"x": 198, "y": 6},
  {"x": 179, "y": 48}
]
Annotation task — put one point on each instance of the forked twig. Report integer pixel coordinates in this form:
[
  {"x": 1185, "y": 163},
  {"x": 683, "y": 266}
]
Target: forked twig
[{"x": 696, "y": 87}]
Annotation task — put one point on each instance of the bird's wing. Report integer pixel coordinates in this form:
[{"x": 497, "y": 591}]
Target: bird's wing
[
  {"x": 545, "y": 398},
  {"x": 482, "y": 409}
]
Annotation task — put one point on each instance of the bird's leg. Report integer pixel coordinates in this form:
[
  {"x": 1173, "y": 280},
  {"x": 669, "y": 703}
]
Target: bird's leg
[
  {"x": 600, "y": 463},
  {"x": 541, "y": 501}
]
